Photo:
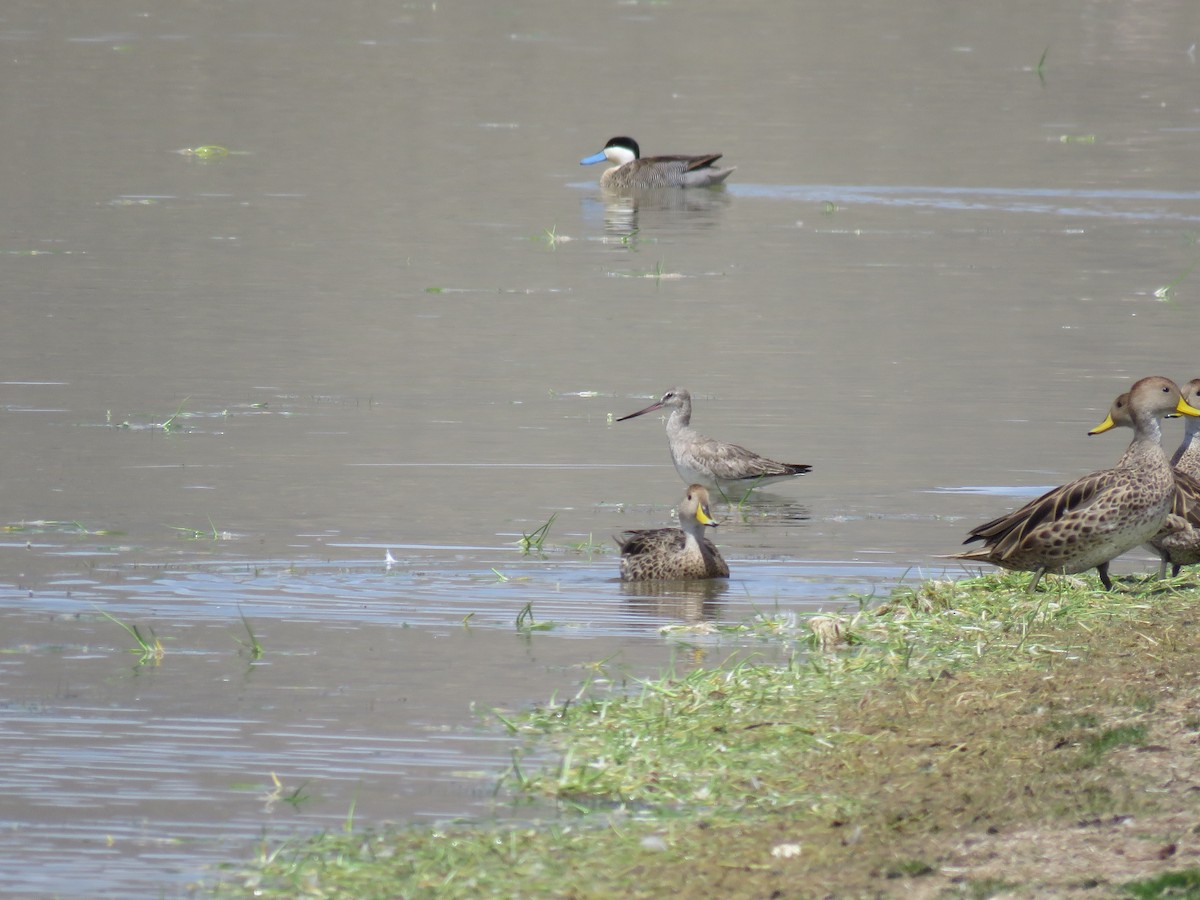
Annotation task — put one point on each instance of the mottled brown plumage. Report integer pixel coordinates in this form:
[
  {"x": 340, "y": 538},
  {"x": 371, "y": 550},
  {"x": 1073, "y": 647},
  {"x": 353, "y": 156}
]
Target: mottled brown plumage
[
  {"x": 1187, "y": 457},
  {"x": 1178, "y": 543},
  {"x": 714, "y": 464},
  {"x": 1094, "y": 519},
  {"x": 675, "y": 554}
]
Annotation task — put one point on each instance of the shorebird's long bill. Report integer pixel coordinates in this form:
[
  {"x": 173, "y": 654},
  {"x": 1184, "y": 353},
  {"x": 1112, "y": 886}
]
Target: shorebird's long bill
[
  {"x": 641, "y": 412},
  {"x": 1185, "y": 408}
]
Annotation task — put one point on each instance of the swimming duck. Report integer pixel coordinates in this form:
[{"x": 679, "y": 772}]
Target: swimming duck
[
  {"x": 1179, "y": 541},
  {"x": 1090, "y": 521},
  {"x": 709, "y": 462},
  {"x": 631, "y": 171},
  {"x": 676, "y": 554}
]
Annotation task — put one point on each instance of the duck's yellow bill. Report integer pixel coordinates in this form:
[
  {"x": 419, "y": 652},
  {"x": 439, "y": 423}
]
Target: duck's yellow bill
[{"x": 1186, "y": 409}]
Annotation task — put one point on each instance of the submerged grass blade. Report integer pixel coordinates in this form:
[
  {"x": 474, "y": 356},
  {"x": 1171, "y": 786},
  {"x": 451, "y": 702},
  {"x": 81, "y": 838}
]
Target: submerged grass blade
[
  {"x": 535, "y": 540},
  {"x": 255, "y": 648},
  {"x": 1167, "y": 291},
  {"x": 148, "y": 649},
  {"x": 170, "y": 423},
  {"x": 198, "y": 534},
  {"x": 526, "y": 622}
]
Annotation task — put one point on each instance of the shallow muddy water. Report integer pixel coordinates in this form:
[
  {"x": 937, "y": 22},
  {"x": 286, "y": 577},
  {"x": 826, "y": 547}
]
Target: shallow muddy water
[{"x": 398, "y": 318}]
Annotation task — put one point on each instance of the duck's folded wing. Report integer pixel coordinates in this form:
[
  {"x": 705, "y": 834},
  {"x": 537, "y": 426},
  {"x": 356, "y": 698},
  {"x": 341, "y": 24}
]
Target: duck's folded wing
[
  {"x": 683, "y": 163},
  {"x": 651, "y": 540},
  {"x": 1187, "y": 498},
  {"x": 1007, "y": 532},
  {"x": 702, "y": 162}
]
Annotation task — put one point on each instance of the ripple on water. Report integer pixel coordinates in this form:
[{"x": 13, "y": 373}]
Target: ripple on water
[
  {"x": 580, "y": 593},
  {"x": 360, "y": 700}
]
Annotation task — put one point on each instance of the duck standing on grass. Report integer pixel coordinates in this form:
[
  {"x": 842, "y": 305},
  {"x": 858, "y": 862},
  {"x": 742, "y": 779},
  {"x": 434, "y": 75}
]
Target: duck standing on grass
[
  {"x": 631, "y": 171},
  {"x": 674, "y": 554},
  {"x": 1090, "y": 521},
  {"x": 715, "y": 464},
  {"x": 1179, "y": 541}
]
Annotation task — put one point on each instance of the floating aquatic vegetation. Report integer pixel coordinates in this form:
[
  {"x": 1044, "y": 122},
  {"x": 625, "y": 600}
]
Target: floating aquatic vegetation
[
  {"x": 1167, "y": 291},
  {"x": 552, "y": 237},
  {"x": 41, "y": 526},
  {"x": 535, "y": 540},
  {"x": 149, "y": 649},
  {"x": 205, "y": 152},
  {"x": 200, "y": 534},
  {"x": 255, "y": 648},
  {"x": 170, "y": 424},
  {"x": 658, "y": 273},
  {"x": 1041, "y": 67},
  {"x": 294, "y": 797},
  {"x": 526, "y": 623}
]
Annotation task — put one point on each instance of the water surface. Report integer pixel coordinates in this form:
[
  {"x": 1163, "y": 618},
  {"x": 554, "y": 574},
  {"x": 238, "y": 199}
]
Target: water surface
[{"x": 397, "y": 318}]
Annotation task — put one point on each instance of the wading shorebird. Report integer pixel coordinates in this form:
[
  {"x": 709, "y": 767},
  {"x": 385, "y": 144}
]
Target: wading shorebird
[
  {"x": 1179, "y": 541},
  {"x": 631, "y": 171},
  {"x": 674, "y": 554},
  {"x": 714, "y": 464},
  {"x": 1090, "y": 521}
]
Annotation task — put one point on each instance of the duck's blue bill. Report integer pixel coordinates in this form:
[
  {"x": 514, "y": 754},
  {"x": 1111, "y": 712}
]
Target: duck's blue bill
[{"x": 594, "y": 158}]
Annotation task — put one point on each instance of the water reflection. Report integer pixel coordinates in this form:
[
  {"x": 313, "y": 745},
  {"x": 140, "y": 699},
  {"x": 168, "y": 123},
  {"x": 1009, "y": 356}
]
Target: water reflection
[
  {"x": 629, "y": 212},
  {"x": 682, "y": 601},
  {"x": 768, "y": 509}
]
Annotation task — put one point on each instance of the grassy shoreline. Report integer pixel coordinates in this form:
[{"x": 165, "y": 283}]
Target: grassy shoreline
[{"x": 965, "y": 739}]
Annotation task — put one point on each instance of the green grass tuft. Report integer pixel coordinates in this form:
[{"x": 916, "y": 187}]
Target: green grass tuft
[
  {"x": 1110, "y": 739},
  {"x": 1182, "y": 884},
  {"x": 954, "y": 710}
]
